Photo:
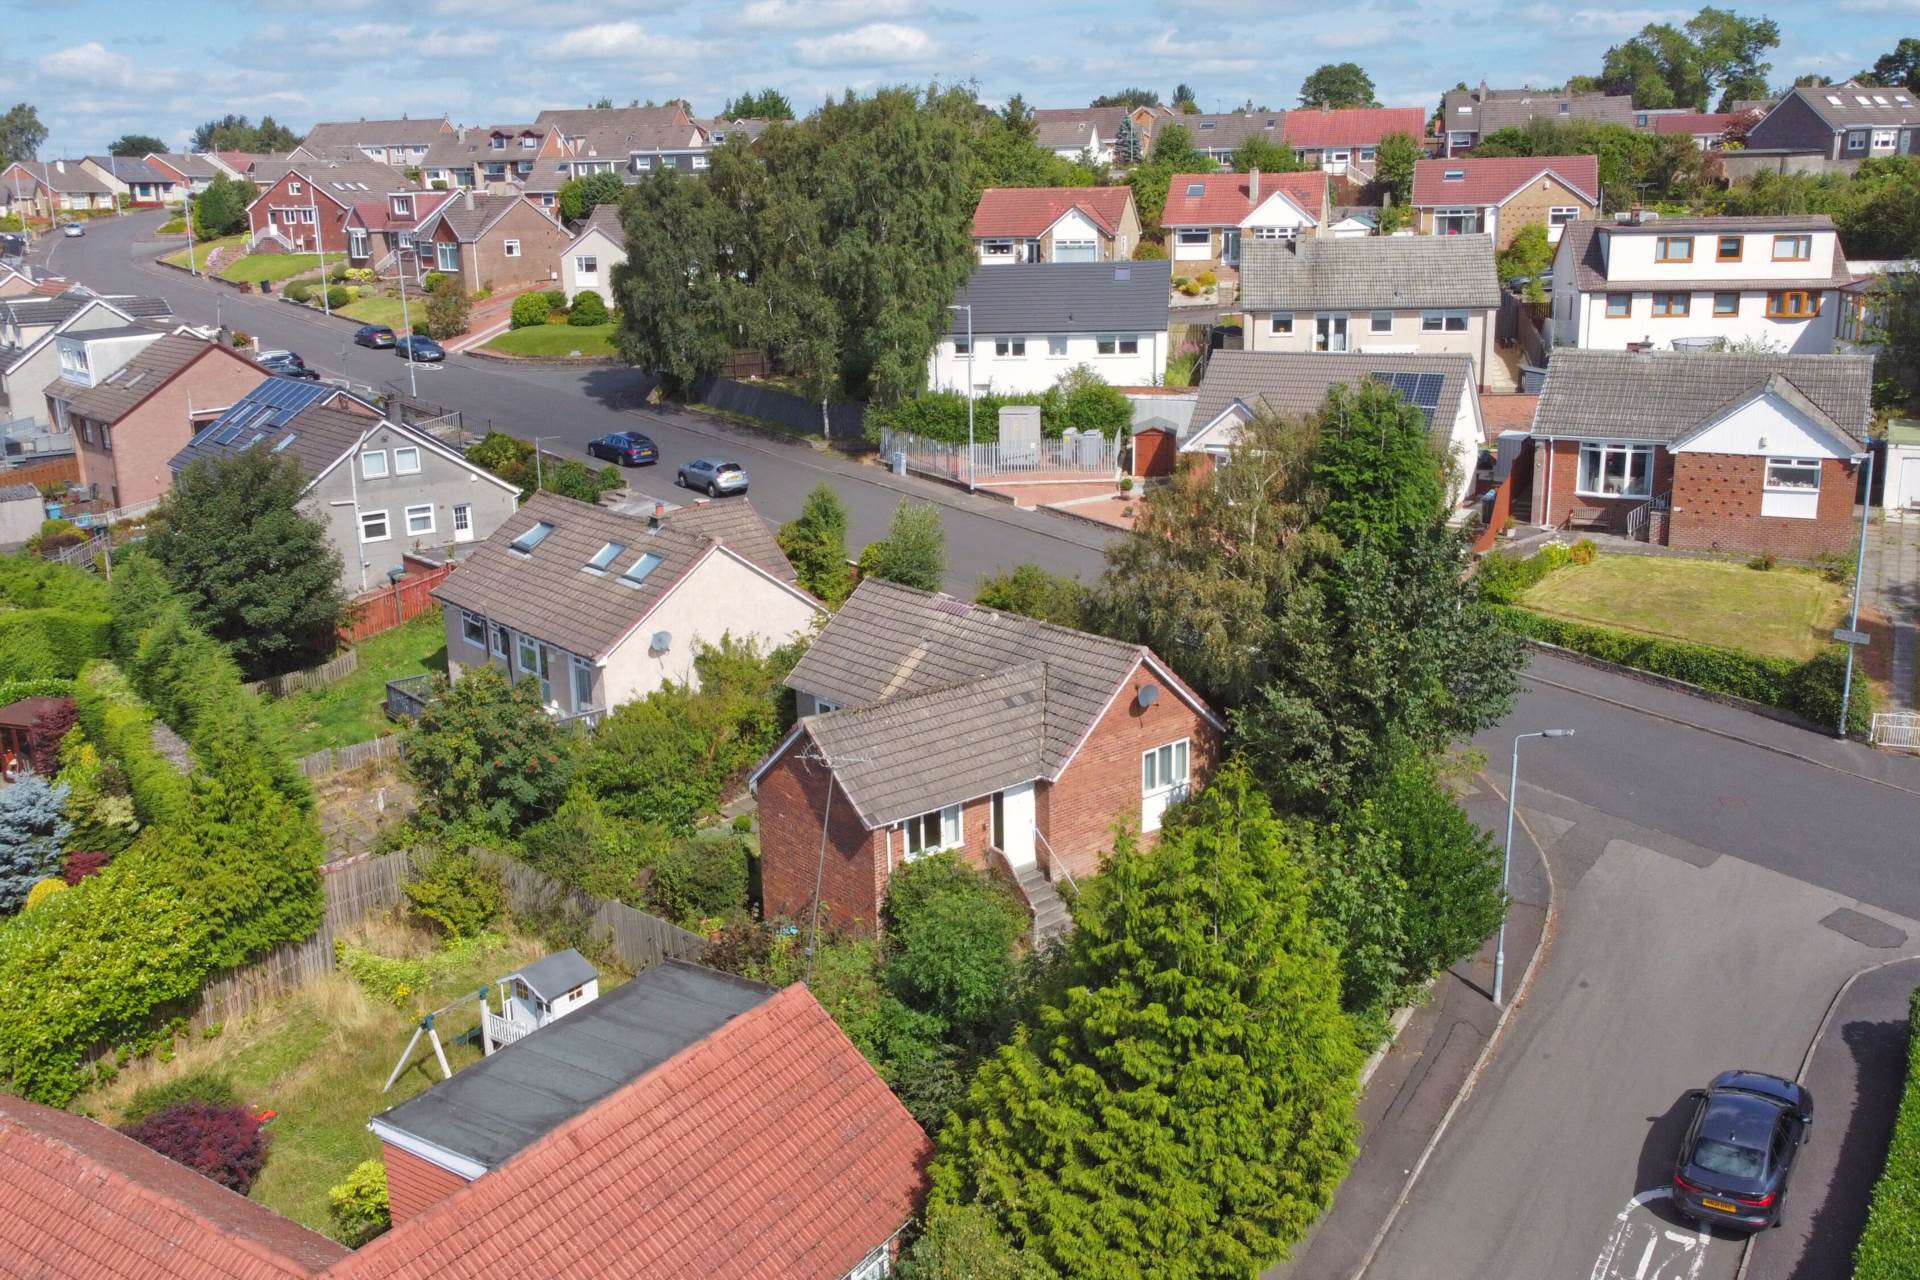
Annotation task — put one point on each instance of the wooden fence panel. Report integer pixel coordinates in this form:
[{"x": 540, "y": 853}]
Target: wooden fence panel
[
  {"x": 388, "y": 607},
  {"x": 331, "y": 760},
  {"x": 330, "y": 672},
  {"x": 638, "y": 939}
]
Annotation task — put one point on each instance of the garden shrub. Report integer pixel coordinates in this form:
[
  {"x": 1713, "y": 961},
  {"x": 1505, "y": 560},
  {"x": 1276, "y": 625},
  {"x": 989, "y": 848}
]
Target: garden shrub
[
  {"x": 1505, "y": 577},
  {"x": 78, "y": 866},
  {"x": 1149, "y": 251},
  {"x": 486, "y": 753},
  {"x": 301, "y": 291},
  {"x": 223, "y": 1143},
  {"x": 207, "y": 1085},
  {"x": 39, "y": 644},
  {"x": 1583, "y": 552},
  {"x": 585, "y": 846},
  {"x": 98, "y": 804},
  {"x": 530, "y": 309},
  {"x": 338, "y": 296},
  {"x": 122, "y": 726},
  {"x": 39, "y": 584},
  {"x": 1080, "y": 400},
  {"x": 357, "y": 1208},
  {"x": 432, "y": 281},
  {"x": 340, "y": 273},
  {"x": 1813, "y": 691},
  {"x": 556, "y": 299},
  {"x": 44, "y": 736},
  {"x": 1889, "y": 1247},
  {"x": 393, "y": 980},
  {"x": 458, "y": 893},
  {"x": 1206, "y": 280},
  {"x": 588, "y": 309},
  {"x": 44, "y": 889},
  {"x": 700, "y": 878},
  {"x": 950, "y": 935},
  {"x": 1744, "y": 675},
  {"x": 32, "y": 831}
]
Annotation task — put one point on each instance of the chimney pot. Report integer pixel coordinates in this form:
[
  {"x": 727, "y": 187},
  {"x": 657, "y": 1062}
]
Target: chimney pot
[{"x": 469, "y": 197}]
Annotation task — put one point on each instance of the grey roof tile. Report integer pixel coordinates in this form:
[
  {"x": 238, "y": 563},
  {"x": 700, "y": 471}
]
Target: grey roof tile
[
  {"x": 605, "y": 219},
  {"x": 1900, "y": 108},
  {"x": 1663, "y": 396},
  {"x": 1066, "y": 297},
  {"x": 119, "y": 392},
  {"x": 354, "y": 133},
  {"x": 1369, "y": 271},
  {"x": 1294, "y": 384}
]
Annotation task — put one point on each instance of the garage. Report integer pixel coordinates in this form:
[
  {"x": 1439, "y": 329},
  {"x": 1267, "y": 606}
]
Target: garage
[{"x": 1901, "y": 491}]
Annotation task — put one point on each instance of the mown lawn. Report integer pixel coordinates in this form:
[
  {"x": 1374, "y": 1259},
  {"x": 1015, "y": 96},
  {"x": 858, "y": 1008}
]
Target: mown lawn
[
  {"x": 382, "y": 310},
  {"x": 255, "y": 267},
  {"x": 201, "y": 248},
  {"x": 354, "y": 710},
  {"x": 557, "y": 340},
  {"x": 1788, "y": 613}
]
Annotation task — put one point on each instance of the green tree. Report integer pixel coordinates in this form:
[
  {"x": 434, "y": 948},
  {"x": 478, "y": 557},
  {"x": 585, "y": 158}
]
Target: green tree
[
  {"x": 1189, "y": 1092},
  {"x": 1011, "y": 155},
  {"x": 914, "y": 551},
  {"x": 1128, "y": 98},
  {"x": 135, "y": 144},
  {"x": 768, "y": 104},
  {"x": 966, "y": 1242},
  {"x": 1127, "y": 146},
  {"x": 1731, "y": 50},
  {"x": 235, "y": 133},
  {"x": 1183, "y": 100},
  {"x": 1266, "y": 155},
  {"x": 1634, "y": 166},
  {"x": 1393, "y": 165},
  {"x": 1341, "y": 84},
  {"x": 1374, "y": 468},
  {"x": 461, "y": 895},
  {"x": 1033, "y": 592},
  {"x": 1173, "y": 152},
  {"x": 255, "y": 570},
  {"x": 815, "y": 542},
  {"x": 578, "y": 197},
  {"x": 1360, "y": 900},
  {"x": 1526, "y": 258},
  {"x": 680, "y": 288},
  {"x": 485, "y": 753},
  {"x": 21, "y": 134},
  {"x": 950, "y": 934},
  {"x": 1900, "y": 68},
  {"x": 448, "y": 307},
  {"x": 221, "y": 210}
]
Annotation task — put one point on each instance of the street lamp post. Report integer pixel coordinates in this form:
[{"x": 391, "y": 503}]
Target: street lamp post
[
  {"x": 538, "y": 482},
  {"x": 406, "y": 317},
  {"x": 319, "y": 245},
  {"x": 968, "y": 308},
  {"x": 193, "y": 266},
  {"x": 1506, "y": 857},
  {"x": 1853, "y": 618}
]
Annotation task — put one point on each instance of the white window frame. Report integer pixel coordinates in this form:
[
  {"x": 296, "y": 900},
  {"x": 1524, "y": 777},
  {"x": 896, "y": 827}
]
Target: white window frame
[
  {"x": 1010, "y": 348},
  {"x": 1460, "y": 138},
  {"x": 1602, "y": 451},
  {"x": 293, "y": 188},
  {"x": 1280, "y": 322},
  {"x": 446, "y": 255},
  {"x": 1771, "y": 485},
  {"x": 1195, "y": 236},
  {"x": 1561, "y": 214},
  {"x": 1438, "y": 321},
  {"x": 1129, "y": 344},
  {"x": 1275, "y": 233},
  {"x": 510, "y": 248},
  {"x": 471, "y": 622},
  {"x": 375, "y": 517},
  {"x": 1374, "y": 324},
  {"x": 585, "y": 264},
  {"x": 401, "y": 465},
  {"x": 356, "y": 242},
  {"x": 401, "y": 206},
  {"x": 1106, "y": 344},
  {"x": 948, "y": 824},
  {"x": 1467, "y": 215},
  {"x": 997, "y": 248},
  {"x": 877, "y": 1265},
  {"x": 699, "y": 161},
  {"x": 1165, "y": 772},
  {"x": 416, "y": 512},
  {"x": 367, "y": 471},
  {"x": 580, "y": 666},
  {"x": 1057, "y": 346},
  {"x": 1857, "y": 140},
  {"x": 1784, "y": 501},
  {"x": 497, "y": 640}
]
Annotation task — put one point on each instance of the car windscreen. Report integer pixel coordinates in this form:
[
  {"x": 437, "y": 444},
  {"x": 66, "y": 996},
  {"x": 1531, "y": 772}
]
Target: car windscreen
[{"x": 1730, "y": 1159}]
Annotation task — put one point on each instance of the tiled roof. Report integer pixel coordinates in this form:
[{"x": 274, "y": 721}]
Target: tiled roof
[
  {"x": 1225, "y": 199},
  {"x": 1695, "y": 122},
  {"x": 1225, "y": 132},
  {"x": 473, "y": 213},
  {"x": 576, "y": 122},
  {"x": 115, "y": 395},
  {"x": 314, "y": 436},
  {"x": 1512, "y": 108},
  {"x": 354, "y": 133},
  {"x": 1494, "y": 179},
  {"x": 738, "y": 525},
  {"x": 1860, "y": 106},
  {"x": 343, "y": 181},
  {"x": 187, "y": 164},
  {"x": 18, "y": 493},
  {"x": 80, "y": 1200},
  {"x": 1369, "y": 271},
  {"x": 769, "y": 1149},
  {"x": 1665, "y": 395},
  {"x": 1066, "y": 297},
  {"x": 605, "y": 219},
  {"x": 130, "y": 168},
  {"x": 1028, "y": 211},
  {"x": 66, "y": 176},
  {"x": 1507, "y": 412},
  {"x": 1580, "y": 241},
  {"x": 1057, "y": 128},
  {"x": 1352, "y": 126},
  {"x": 548, "y": 592},
  {"x": 716, "y": 131},
  {"x": 377, "y": 215},
  {"x": 1294, "y": 384},
  {"x": 31, "y": 309}
]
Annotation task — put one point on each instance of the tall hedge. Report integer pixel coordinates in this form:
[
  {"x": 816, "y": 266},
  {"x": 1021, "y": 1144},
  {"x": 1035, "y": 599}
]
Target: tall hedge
[
  {"x": 1889, "y": 1247},
  {"x": 121, "y": 726},
  {"x": 41, "y": 644}
]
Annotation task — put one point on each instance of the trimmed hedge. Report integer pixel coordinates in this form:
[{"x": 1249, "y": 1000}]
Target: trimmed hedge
[
  {"x": 45, "y": 644},
  {"x": 1889, "y": 1247},
  {"x": 121, "y": 725}
]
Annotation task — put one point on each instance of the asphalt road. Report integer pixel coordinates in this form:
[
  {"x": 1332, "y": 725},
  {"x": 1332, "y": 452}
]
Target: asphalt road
[
  {"x": 1712, "y": 896},
  {"x": 566, "y": 409}
]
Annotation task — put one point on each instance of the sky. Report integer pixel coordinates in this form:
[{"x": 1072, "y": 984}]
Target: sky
[{"x": 99, "y": 68}]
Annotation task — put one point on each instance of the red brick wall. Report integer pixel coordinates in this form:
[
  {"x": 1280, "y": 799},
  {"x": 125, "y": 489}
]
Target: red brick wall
[
  {"x": 1716, "y": 507},
  {"x": 413, "y": 1185},
  {"x": 146, "y": 437},
  {"x": 793, "y": 801},
  {"x": 331, "y": 216},
  {"x": 1565, "y": 475}
]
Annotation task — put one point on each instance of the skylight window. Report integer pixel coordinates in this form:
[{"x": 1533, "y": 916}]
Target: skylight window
[
  {"x": 1834, "y": 99},
  {"x": 286, "y": 440},
  {"x": 1206, "y": 124},
  {"x": 532, "y": 538},
  {"x": 606, "y": 556},
  {"x": 1880, "y": 99},
  {"x": 1196, "y": 188},
  {"x": 1861, "y": 98},
  {"x": 645, "y": 565},
  {"x": 1454, "y": 175}
]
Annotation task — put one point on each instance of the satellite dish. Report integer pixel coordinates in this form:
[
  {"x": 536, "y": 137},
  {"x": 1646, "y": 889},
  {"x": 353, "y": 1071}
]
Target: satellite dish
[
  {"x": 661, "y": 642},
  {"x": 1148, "y": 695}
]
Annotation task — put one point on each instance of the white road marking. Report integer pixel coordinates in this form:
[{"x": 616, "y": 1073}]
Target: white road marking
[
  {"x": 1640, "y": 1273},
  {"x": 1666, "y": 1254}
]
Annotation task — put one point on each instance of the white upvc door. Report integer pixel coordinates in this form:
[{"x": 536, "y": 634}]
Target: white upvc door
[
  {"x": 1163, "y": 781},
  {"x": 462, "y": 522},
  {"x": 1016, "y": 824}
]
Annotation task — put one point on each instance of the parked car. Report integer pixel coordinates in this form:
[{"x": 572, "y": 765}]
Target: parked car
[
  {"x": 713, "y": 475},
  {"x": 74, "y": 229},
  {"x": 12, "y": 244},
  {"x": 286, "y": 364},
  {"x": 418, "y": 349},
  {"x": 1738, "y": 1153},
  {"x": 628, "y": 448},
  {"x": 373, "y": 335}
]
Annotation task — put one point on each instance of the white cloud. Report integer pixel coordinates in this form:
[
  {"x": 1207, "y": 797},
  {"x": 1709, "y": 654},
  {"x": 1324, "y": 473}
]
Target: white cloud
[
  {"x": 90, "y": 63},
  {"x": 1878, "y": 6},
  {"x": 1346, "y": 37},
  {"x": 1606, "y": 22},
  {"x": 807, "y": 15},
  {"x": 876, "y": 44},
  {"x": 1198, "y": 57},
  {"x": 620, "y": 40}
]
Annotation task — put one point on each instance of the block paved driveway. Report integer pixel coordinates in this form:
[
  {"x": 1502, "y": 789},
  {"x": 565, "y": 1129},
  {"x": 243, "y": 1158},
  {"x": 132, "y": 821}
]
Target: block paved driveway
[{"x": 1712, "y": 898}]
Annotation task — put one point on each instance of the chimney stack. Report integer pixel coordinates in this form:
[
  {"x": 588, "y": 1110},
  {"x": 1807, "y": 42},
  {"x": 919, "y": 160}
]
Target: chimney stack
[
  {"x": 1253, "y": 186},
  {"x": 659, "y": 514},
  {"x": 469, "y": 198}
]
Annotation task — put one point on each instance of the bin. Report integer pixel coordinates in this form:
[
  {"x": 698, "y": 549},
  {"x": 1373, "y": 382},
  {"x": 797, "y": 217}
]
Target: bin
[{"x": 899, "y": 462}]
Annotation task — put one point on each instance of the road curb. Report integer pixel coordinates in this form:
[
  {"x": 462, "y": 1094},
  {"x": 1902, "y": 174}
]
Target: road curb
[{"x": 1521, "y": 992}]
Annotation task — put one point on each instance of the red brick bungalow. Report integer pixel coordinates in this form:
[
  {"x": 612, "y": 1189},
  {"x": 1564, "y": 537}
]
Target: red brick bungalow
[
  {"x": 1707, "y": 451},
  {"x": 308, "y": 203},
  {"x": 930, "y": 723}
]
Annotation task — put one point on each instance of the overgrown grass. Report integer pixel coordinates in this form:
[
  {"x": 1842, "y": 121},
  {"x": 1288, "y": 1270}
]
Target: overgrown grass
[
  {"x": 353, "y": 710},
  {"x": 1785, "y": 613},
  {"x": 556, "y": 340},
  {"x": 202, "y": 248}
]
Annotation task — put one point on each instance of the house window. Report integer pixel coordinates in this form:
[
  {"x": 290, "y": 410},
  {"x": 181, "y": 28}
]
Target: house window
[
  {"x": 582, "y": 684},
  {"x": 1792, "y": 248},
  {"x": 510, "y": 248},
  {"x": 996, "y": 248},
  {"x": 1366, "y": 153},
  {"x": 402, "y": 206},
  {"x": 875, "y": 1266},
  {"x": 1729, "y": 248},
  {"x": 498, "y": 635},
  {"x": 605, "y": 556},
  {"x": 1616, "y": 470},
  {"x": 473, "y": 629},
  {"x": 1792, "y": 304},
  {"x": 420, "y": 520},
  {"x": 1106, "y": 344},
  {"x": 373, "y": 464},
  {"x": 1129, "y": 344},
  {"x": 1280, "y": 322},
  {"x": 356, "y": 243},
  {"x": 1671, "y": 305},
  {"x": 1857, "y": 140},
  {"x": 1057, "y": 346},
  {"x": 1380, "y": 322},
  {"x": 642, "y": 567},
  {"x": 1673, "y": 249},
  {"x": 1443, "y": 322},
  {"x": 1010, "y": 347},
  {"x": 1163, "y": 781},
  {"x": 933, "y": 831},
  {"x": 373, "y": 526},
  {"x": 1619, "y": 306},
  {"x": 1456, "y": 222},
  {"x": 1561, "y": 214},
  {"x": 106, "y": 437},
  {"x": 1329, "y": 333},
  {"x": 1726, "y": 304},
  {"x": 1192, "y": 237},
  {"x": 293, "y": 188},
  {"x": 1275, "y": 233},
  {"x": 406, "y": 462},
  {"x": 1791, "y": 489},
  {"x": 447, "y": 255},
  {"x": 532, "y": 538},
  {"x": 961, "y": 347},
  {"x": 642, "y": 163},
  {"x": 586, "y": 265},
  {"x": 699, "y": 162}
]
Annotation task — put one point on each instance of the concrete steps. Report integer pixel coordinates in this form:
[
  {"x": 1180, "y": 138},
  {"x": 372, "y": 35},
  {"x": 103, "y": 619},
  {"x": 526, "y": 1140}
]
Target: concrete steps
[{"x": 1051, "y": 920}]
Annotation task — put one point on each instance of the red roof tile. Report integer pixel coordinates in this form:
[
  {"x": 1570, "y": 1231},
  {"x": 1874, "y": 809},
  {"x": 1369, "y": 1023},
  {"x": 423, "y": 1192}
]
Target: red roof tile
[
  {"x": 80, "y": 1200},
  {"x": 377, "y": 215},
  {"x": 1701, "y": 121},
  {"x": 1028, "y": 211},
  {"x": 1507, "y": 413},
  {"x": 1224, "y": 199},
  {"x": 1352, "y": 126},
  {"x": 769, "y": 1149},
  {"x": 1491, "y": 180}
]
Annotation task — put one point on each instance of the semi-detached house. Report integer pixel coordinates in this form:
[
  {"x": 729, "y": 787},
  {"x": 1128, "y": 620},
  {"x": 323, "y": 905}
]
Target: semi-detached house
[
  {"x": 1832, "y": 127},
  {"x": 1030, "y": 325},
  {"x": 1499, "y": 197},
  {"x": 1055, "y": 224},
  {"x": 304, "y": 206},
  {"x": 398, "y": 143},
  {"x": 501, "y": 242}
]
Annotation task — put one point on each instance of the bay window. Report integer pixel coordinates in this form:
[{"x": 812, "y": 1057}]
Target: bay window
[{"x": 1615, "y": 471}]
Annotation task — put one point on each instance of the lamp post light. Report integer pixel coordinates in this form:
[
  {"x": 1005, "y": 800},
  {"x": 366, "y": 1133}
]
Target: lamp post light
[
  {"x": 538, "y": 482},
  {"x": 968, "y": 308},
  {"x": 1506, "y": 857},
  {"x": 1853, "y": 637},
  {"x": 406, "y": 317}
]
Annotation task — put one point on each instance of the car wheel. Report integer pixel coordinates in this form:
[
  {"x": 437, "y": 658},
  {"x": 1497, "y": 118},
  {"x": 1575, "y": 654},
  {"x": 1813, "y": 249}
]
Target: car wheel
[
  {"x": 713, "y": 490},
  {"x": 680, "y": 479}
]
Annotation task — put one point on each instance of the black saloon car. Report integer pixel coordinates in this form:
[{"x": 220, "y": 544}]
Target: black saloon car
[
  {"x": 1738, "y": 1153},
  {"x": 628, "y": 448},
  {"x": 418, "y": 349},
  {"x": 373, "y": 335}
]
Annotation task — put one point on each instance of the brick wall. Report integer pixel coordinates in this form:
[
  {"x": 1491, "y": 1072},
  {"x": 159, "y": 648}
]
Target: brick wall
[
  {"x": 1716, "y": 501},
  {"x": 1531, "y": 206},
  {"x": 793, "y": 796},
  {"x": 414, "y": 1185},
  {"x": 542, "y": 241},
  {"x": 147, "y": 436},
  {"x": 1560, "y": 476}
]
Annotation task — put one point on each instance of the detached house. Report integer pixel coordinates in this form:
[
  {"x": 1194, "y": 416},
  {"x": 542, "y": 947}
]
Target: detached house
[
  {"x": 929, "y": 723},
  {"x": 1499, "y": 197},
  {"x": 1346, "y": 139},
  {"x": 1708, "y": 129},
  {"x": 500, "y": 154},
  {"x": 379, "y": 229},
  {"x": 303, "y": 205},
  {"x": 492, "y": 241},
  {"x": 576, "y": 124},
  {"x": 1073, "y": 132},
  {"x": 603, "y": 608},
  {"x": 1471, "y": 114},
  {"x": 1393, "y": 295},
  {"x": 1055, "y": 224},
  {"x": 1835, "y": 127},
  {"x": 48, "y": 188},
  {"x": 398, "y": 143},
  {"x": 27, "y": 370},
  {"x": 191, "y": 174},
  {"x": 1707, "y": 451},
  {"x": 132, "y": 178},
  {"x": 1209, "y": 216},
  {"x": 1221, "y": 135},
  {"x": 1029, "y": 326},
  {"x": 1645, "y": 283},
  {"x": 588, "y": 262}
]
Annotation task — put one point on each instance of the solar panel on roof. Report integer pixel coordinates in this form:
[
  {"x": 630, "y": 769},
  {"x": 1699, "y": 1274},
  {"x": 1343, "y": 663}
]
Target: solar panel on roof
[
  {"x": 1422, "y": 390},
  {"x": 228, "y": 436}
]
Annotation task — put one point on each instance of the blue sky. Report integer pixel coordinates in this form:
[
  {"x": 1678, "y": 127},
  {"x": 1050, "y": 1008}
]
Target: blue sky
[{"x": 98, "y": 68}]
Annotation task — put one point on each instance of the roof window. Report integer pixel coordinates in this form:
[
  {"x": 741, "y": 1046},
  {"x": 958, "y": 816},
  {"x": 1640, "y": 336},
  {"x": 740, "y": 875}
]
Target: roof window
[
  {"x": 1206, "y": 124},
  {"x": 642, "y": 567},
  {"x": 1196, "y": 188},
  {"x": 1454, "y": 175},
  {"x": 1861, "y": 98},
  {"x": 286, "y": 440},
  {"x": 606, "y": 556},
  {"x": 1834, "y": 99},
  {"x": 532, "y": 538}
]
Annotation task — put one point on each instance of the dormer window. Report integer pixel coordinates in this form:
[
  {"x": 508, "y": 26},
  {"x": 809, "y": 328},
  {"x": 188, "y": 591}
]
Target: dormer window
[
  {"x": 402, "y": 206},
  {"x": 532, "y": 538},
  {"x": 499, "y": 143},
  {"x": 528, "y": 141}
]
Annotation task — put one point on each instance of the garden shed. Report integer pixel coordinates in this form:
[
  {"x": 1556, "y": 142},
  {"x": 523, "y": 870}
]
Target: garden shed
[{"x": 16, "y": 720}]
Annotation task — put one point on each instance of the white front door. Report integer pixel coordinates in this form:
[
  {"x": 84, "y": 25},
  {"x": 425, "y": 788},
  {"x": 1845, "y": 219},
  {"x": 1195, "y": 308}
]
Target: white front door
[
  {"x": 462, "y": 522},
  {"x": 1013, "y": 824},
  {"x": 1910, "y": 483}
]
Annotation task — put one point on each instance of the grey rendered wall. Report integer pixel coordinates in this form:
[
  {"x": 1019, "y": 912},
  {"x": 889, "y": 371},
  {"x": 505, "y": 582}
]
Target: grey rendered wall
[{"x": 27, "y": 383}]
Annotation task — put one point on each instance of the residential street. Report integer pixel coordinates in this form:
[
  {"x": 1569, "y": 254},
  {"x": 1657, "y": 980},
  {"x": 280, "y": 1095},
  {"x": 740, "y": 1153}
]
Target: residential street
[{"x": 566, "y": 409}]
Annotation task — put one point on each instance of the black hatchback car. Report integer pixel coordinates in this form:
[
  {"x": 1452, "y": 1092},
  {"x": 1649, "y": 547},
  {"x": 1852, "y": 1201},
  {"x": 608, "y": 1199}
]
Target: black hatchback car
[
  {"x": 287, "y": 364},
  {"x": 1738, "y": 1153},
  {"x": 378, "y": 336},
  {"x": 628, "y": 448}
]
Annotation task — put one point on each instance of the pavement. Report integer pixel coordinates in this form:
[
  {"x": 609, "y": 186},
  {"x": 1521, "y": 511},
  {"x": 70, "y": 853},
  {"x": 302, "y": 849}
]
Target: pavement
[
  {"x": 567, "y": 407},
  {"x": 1893, "y": 583}
]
